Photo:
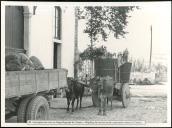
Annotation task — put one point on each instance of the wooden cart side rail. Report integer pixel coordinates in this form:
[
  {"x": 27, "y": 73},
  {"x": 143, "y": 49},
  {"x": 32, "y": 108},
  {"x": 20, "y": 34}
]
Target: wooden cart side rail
[{"x": 19, "y": 83}]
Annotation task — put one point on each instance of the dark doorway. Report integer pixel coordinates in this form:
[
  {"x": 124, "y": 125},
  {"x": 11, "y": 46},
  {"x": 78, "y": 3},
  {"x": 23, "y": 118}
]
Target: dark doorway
[
  {"x": 57, "y": 55},
  {"x": 14, "y": 29}
]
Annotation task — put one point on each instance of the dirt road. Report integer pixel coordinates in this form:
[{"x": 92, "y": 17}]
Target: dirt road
[
  {"x": 147, "y": 104},
  {"x": 151, "y": 110}
]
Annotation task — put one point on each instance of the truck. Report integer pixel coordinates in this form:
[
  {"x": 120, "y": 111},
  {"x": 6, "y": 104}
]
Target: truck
[{"x": 28, "y": 93}]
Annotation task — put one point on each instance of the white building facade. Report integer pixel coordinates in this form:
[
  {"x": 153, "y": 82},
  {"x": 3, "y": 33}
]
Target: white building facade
[{"x": 47, "y": 33}]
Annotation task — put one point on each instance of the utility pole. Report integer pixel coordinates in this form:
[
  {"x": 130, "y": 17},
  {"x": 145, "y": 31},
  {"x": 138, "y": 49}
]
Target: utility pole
[
  {"x": 76, "y": 43},
  {"x": 150, "y": 49}
]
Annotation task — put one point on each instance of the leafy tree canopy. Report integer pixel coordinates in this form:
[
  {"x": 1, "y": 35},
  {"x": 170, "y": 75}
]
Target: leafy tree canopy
[
  {"x": 105, "y": 20},
  {"x": 94, "y": 52}
]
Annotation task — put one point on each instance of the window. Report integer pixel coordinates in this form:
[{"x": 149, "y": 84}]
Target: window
[{"x": 57, "y": 23}]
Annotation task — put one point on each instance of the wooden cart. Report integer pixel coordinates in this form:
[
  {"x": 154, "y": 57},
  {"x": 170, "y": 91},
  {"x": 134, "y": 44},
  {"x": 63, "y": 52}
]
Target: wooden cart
[
  {"x": 120, "y": 75},
  {"x": 27, "y": 93}
]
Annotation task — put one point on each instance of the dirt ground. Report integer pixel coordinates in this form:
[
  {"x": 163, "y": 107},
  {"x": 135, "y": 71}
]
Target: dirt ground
[
  {"x": 151, "y": 110},
  {"x": 148, "y": 103}
]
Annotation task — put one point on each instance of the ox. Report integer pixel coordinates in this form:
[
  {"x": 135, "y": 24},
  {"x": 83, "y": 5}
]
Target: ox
[
  {"x": 74, "y": 91},
  {"x": 105, "y": 87}
]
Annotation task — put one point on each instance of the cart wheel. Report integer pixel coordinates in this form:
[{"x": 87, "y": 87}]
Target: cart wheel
[
  {"x": 95, "y": 99},
  {"x": 21, "y": 113},
  {"x": 38, "y": 109},
  {"x": 125, "y": 95}
]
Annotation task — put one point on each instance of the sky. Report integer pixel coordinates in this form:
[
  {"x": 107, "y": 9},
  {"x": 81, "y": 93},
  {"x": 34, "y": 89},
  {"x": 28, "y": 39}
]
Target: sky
[{"x": 139, "y": 38}]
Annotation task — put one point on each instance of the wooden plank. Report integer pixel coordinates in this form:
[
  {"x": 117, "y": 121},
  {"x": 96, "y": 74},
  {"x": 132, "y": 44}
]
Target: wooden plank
[
  {"x": 105, "y": 67},
  {"x": 125, "y": 70},
  {"x": 27, "y": 82},
  {"x": 53, "y": 79},
  {"x": 18, "y": 83},
  {"x": 42, "y": 80},
  {"x": 12, "y": 84}
]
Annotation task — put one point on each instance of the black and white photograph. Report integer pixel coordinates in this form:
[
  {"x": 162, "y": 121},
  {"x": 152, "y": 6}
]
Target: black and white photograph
[{"x": 86, "y": 64}]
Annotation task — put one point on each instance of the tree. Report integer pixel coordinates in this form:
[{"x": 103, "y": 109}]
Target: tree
[
  {"x": 105, "y": 20},
  {"x": 160, "y": 68},
  {"x": 93, "y": 52}
]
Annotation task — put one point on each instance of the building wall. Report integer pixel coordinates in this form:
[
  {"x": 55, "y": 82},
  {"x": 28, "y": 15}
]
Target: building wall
[
  {"x": 141, "y": 76},
  {"x": 42, "y": 37},
  {"x": 41, "y": 44},
  {"x": 68, "y": 25}
]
